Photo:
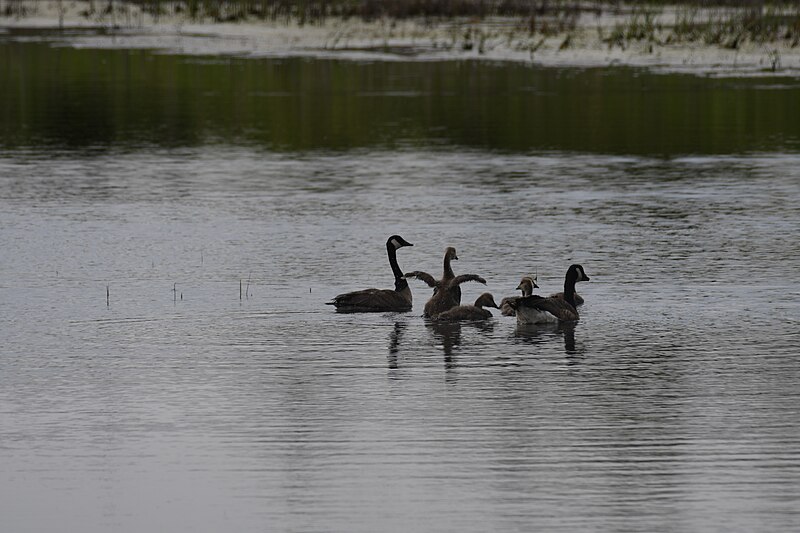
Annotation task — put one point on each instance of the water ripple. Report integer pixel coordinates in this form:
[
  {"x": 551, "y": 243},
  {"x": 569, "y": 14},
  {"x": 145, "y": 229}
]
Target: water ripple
[{"x": 675, "y": 391}]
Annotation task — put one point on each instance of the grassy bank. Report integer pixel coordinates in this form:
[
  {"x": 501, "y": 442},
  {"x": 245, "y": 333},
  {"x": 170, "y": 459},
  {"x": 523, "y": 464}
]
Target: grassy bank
[
  {"x": 723, "y": 23},
  {"x": 229, "y": 10},
  {"x": 705, "y": 37}
]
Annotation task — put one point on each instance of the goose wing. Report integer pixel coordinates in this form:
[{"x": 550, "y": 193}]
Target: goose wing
[
  {"x": 560, "y": 295},
  {"x": 506, "y": 308},
  {"x": 371, "y": 300},
  {"x": 464, "y": 312},
  {"x": 556, "y": 307},
  {"x": 458, "y": 280},
  {"x": 423, "y": 276}
]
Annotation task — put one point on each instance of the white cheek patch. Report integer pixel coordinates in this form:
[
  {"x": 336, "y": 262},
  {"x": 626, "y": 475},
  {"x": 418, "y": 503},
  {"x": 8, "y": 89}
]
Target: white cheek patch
[{"x": 395, "y": 244}]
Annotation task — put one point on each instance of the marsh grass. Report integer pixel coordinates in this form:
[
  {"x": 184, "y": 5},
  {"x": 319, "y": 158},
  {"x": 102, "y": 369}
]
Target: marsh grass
[
  {"x": 14, "y": 8},
  {"x": 542, "y": 15},
  {"x": 728, "y": 27},
  {"x": 724, "y": 23}
]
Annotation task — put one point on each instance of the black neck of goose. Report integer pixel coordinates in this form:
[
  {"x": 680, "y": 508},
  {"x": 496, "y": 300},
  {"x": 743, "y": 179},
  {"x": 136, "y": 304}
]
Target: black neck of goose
[
  {"x": 569, "y": 290},
  {"x": 399, "y": 282}
]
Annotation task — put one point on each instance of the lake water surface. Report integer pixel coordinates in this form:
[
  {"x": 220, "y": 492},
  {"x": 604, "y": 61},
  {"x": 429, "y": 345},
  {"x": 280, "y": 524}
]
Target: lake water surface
[{"x": 171, "y": 228}]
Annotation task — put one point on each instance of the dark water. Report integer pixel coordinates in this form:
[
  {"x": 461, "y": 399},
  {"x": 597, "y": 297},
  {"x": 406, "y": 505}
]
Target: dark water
[
  {"x": 78, "y": 98},
  {"x": 179, "y": 406}
]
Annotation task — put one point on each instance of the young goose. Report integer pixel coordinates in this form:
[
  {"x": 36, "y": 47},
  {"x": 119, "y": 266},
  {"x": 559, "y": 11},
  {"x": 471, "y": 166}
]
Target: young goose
[
  {"x": 470, "y": 312},
  {"x": 379, "y": 300},
  {"x": 447, "y": 274},
  {"x": 526, "y": 285},
  {"x": 446, "y": 291},
  {"x": 536, "y": 309}
]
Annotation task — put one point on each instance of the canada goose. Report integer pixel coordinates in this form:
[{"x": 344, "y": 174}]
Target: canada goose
[
  {"x": 470, "y": 312},
  {"x": 526, "y": 285},
  {"x": 446, "y": 291},
  {"x": 536, "y": 309},
  {"x": 380, "y": 300}
]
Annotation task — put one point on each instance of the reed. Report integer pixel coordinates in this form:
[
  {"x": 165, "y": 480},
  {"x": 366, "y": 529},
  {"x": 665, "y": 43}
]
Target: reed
[
  {"x": 725, "y": 23},
  {"x": 14, "y": 8},
  {"x": 314, "y": 10},
  {"x": 728, "y": 28}
]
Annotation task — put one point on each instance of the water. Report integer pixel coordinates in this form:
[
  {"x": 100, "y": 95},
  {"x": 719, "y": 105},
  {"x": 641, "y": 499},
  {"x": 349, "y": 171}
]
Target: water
[
  {"x": 57, "y": 96},
  {"x": 183, "y": 404}
]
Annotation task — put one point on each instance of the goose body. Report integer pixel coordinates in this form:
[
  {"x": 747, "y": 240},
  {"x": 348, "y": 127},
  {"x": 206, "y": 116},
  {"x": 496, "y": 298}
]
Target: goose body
[
  {"x": 379, "y": 300},
  {"x": 470, "y": 312},
  {"x": 560, "y": 295},
  {"x": 538, "y": 310},
  {"x": 526, "y": 285},
  {"x": 446, "y": 291}
]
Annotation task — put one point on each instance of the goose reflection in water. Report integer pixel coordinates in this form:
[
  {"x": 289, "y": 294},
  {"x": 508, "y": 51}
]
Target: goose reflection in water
[
  {"x": 543, "y": 334},
  {"x": 394, "y": 342},
  {"x": 449, "y": 335}
]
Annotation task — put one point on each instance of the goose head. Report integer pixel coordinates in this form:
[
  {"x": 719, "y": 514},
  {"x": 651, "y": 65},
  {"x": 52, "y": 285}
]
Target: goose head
[
  {"x": 526, "y": 285},
  {"x": 486, "y": 300},
  {"x": 396, "y": 242},
  {"x": 450, "y": 254},
  {"x": 576, "y": 273}
]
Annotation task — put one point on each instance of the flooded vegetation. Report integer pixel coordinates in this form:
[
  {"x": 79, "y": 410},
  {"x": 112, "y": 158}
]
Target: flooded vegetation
[{"x": 173, "y": 225}]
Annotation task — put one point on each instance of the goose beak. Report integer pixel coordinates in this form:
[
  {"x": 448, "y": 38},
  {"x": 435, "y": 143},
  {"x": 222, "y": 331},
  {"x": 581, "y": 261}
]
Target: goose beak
[
  {"x": 585, "y": 277},
  {"x": 535, "y": 286}
]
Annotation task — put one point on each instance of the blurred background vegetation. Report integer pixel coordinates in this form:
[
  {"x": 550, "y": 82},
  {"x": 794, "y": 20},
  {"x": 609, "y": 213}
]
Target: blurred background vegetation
[
  {"x": 724, "y": 23},
  {"x": 228, "y": 10}
]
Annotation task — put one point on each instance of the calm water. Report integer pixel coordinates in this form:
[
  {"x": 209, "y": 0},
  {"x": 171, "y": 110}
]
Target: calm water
[{"x": 178, "y": 405}]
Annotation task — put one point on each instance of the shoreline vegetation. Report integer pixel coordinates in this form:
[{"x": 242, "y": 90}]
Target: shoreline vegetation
[{"x": 710, "y": 37}]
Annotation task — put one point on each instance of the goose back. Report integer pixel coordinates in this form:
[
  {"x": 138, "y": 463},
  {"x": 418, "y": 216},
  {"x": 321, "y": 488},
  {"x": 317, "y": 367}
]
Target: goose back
[
  {"x": 470, "y": 312},
  {"x": 373, "y": 301},
  {"x": 560, "y": 295}
]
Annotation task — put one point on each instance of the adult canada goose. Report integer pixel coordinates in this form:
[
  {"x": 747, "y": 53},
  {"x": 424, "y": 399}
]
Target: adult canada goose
[
  {"x": 380, "y": 300},
  {"x": 526, "y": 285},
  {"x": 470, "y": 312},
  {"x": 446, "y": 291},
  {"x": 536, "y": 309}
]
